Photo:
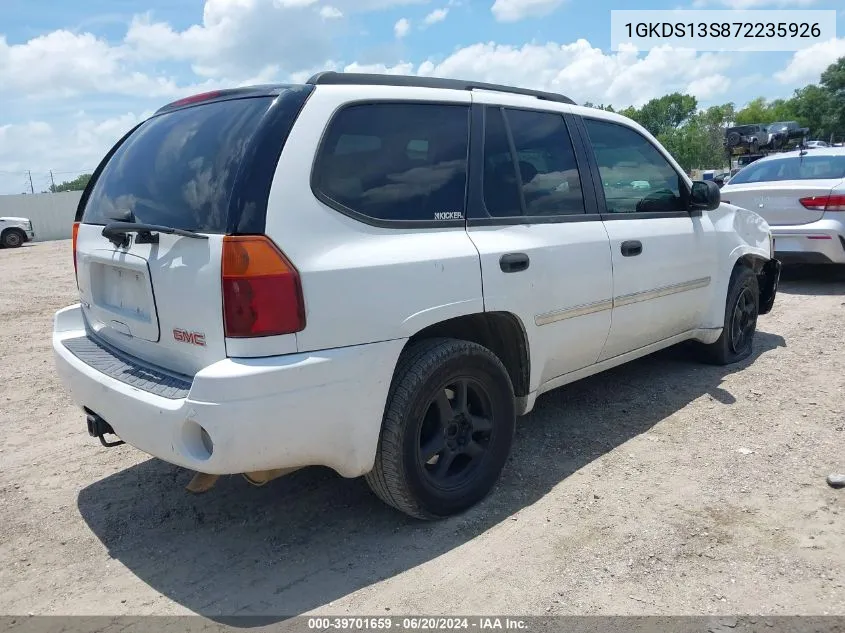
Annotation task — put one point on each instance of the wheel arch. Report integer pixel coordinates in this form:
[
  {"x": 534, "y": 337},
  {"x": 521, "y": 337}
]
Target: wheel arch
[
  {"x": 756, "y": 260},
  {"x": 503, "y": 333}
]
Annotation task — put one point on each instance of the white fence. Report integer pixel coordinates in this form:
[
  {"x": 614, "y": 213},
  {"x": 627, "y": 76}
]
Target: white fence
[{"x": 52, "y": 214}]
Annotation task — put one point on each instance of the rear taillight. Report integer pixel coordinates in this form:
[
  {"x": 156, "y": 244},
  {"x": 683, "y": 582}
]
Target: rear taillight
[
  {"x": 74, "y": 233},
  {"x": 262, "y": 294},
  {"x": 203, "y": 96},
  {"x": 824, "y": 203}
]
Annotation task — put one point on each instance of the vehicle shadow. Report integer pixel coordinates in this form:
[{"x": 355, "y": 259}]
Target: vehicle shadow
[
  {"x": 813, "y": 280},
  {"x": 313, "y": 537}
]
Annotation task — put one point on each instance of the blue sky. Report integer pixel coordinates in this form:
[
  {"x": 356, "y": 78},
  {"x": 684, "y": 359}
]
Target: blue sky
[{"x": 75, "y": 76}]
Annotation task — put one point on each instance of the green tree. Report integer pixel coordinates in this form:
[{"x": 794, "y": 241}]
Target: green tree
[
  {"x": 666, "y": 113},
  {"x": 77, "y": 184},
  {"x": 814, "y": 107},
  {"x": 755, "y": 111},
  {"x": 833, "y": 80}
]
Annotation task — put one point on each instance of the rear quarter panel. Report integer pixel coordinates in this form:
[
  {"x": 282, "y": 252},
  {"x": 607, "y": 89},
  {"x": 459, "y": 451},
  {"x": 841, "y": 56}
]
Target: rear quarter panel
[{"x": 363, "y": 283}]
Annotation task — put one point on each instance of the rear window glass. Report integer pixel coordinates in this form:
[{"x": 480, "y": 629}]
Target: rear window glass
[
  {"x": 178, "y": 169},
  {"x": 396, "y": 161},
  {"x": 793, "y": 168}
]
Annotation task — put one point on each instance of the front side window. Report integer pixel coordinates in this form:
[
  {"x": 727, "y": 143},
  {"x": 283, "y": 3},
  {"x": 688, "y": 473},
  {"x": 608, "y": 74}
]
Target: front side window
[
  {"x": 635, "y": 176},
  {"x": 542, "y": 178},
  {"x": 396, "y": 161},
  {"x": 793, "y": 168}
]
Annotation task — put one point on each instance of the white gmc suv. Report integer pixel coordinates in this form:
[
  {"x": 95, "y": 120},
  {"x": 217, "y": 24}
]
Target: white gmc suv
[{"x": 378, "y": 274}]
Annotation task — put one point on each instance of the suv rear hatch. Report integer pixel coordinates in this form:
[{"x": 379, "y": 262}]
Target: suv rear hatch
[
  {"x": 775, "y": 188},
  {"x": 199, "y": 169}
]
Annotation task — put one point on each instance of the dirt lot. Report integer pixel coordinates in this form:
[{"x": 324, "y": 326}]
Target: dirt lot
[{"x": 662, "y": 487}]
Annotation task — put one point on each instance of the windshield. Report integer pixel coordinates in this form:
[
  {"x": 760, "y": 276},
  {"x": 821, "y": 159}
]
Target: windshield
[
  {"x": 793, "y": 168},
  {"x": 178, "y": 169}
]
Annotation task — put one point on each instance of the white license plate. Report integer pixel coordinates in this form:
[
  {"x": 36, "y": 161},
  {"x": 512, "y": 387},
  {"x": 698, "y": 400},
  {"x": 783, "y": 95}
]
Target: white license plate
[{"x": 124, "y": 291}]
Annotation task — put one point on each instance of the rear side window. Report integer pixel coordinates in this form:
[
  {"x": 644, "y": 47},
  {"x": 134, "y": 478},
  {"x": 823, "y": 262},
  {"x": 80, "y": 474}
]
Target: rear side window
[
  {"x": 542, "y": 178},
  {"x": 178, "y": 169},
  {"x": 793, "y": 168},
  {"x": 392, "y": 162}
]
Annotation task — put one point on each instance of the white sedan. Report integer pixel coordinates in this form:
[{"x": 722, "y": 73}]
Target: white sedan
[{"x": 802, "y": 197}]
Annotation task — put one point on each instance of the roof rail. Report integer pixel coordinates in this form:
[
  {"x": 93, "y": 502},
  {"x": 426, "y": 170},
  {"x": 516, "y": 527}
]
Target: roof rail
[{"x": 331, "y": 78}]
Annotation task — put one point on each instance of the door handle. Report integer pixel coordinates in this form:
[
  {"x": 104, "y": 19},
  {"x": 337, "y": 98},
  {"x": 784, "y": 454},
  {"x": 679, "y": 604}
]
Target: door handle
[
  {"x": 631, "y": 248},
  {"x": 514, "y": 262}
]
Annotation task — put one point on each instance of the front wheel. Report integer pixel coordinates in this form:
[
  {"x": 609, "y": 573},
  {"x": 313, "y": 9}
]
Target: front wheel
[
  {"x": 447, "y": 429},
  {"x": 12, "y": 238},
  {"x": 741, "y": 311}
]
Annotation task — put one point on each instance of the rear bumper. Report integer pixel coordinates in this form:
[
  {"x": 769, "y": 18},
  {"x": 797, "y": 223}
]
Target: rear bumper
[
  {"x": 320, "y": 408},
  {"x": 821, "y": 242}
]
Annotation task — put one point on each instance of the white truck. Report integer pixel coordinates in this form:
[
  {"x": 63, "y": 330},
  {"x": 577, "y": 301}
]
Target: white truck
[
  {"x": 15, "y": 232},
  {"x": 378, "y": 274}
]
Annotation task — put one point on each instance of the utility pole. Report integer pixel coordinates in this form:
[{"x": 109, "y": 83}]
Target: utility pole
[
  {"x": 53, "y": 188},
  {"x": 31, "y": 188}
]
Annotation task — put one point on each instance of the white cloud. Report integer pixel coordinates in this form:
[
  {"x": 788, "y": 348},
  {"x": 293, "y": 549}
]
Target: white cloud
[
  {"x": 579, "y": 70},
  {"x": 808, "y": 64},
  {"x": 62, "y": 63},
  {"x": 76, "y": 144},
  {"x": 708, "y": 88},
  {"x": 515, "y": 10},
  {"x": 237, "y": 36},
  {"x": 438, "y": 15},
  {"x": 330, "y": 13},
  {"x": 401, "y": 28}
]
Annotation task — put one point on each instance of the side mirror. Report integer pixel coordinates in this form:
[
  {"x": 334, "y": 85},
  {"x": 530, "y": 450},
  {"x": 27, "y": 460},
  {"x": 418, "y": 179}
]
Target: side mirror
[{"x": 704, "y": 196}]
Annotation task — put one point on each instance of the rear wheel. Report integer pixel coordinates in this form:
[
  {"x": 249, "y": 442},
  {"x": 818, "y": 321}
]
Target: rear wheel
[
  {"x": 741, "y": 311},
  {"x": 447, "y": 429},
  {"x": 12, "y": 238}
]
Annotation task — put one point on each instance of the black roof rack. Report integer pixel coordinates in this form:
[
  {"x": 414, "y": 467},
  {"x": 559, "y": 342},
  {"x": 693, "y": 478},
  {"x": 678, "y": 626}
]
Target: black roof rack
[{"x": 331, "y": 78}]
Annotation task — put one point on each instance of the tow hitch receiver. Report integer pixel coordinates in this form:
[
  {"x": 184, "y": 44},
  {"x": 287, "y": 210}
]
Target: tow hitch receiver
[{"x": 98, "y": 427}]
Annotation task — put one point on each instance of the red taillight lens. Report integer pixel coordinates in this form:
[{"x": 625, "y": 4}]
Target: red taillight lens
[
  {"x": 203, "y": 96},
  {"x": 262, "y": 294},
  {"x": 824, "y": 203},
  {"x": 74, "y": 232}
]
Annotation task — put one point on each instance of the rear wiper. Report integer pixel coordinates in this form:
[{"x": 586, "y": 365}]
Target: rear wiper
[{"x": 118, "y": 232}]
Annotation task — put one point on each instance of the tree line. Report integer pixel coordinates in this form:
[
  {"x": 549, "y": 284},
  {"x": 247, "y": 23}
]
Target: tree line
[{"x": 695, "y": 137}]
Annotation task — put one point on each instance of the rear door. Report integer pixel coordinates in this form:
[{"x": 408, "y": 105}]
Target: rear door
[
  {"x": 544, "y": 252},
  {"x": 774, "y": 187},
  {"x": 158, "y": 296}
]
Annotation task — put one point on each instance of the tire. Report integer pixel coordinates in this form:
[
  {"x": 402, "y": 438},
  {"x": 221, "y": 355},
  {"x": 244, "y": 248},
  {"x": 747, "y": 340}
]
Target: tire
[
  {"x": 733, "y": 139},
  {"x": 741, "y": 311},
  {"x": 12, "y": 238},
  {"x": 441, "y": 452},
  {"x": 755, "y": 146}
]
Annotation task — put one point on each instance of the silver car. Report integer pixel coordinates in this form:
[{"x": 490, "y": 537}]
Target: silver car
[{"x": 802, "y": 197}]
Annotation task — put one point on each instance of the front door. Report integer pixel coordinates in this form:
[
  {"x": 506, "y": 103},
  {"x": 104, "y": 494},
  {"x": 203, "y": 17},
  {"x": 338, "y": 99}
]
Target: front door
[{"x": 663, "y": 258}]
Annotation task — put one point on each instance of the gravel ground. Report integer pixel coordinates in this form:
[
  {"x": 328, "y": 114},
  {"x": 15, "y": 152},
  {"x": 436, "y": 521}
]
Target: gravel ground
[{"x": 661, "y": 487}]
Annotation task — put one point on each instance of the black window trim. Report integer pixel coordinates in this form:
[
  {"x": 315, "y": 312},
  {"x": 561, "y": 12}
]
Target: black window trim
[
  {"x": 477, "y": 213},
  {"x": 378, "y": 222},
  {"x": 599, "y": 188}
]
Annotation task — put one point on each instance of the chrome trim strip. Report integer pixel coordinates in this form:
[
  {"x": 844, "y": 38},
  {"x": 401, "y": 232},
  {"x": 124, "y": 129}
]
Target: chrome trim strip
[
  {"x": 624, "y": 300},
  {"x": 571, "y": 313},
  {"x": 648, "y": 295}
]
